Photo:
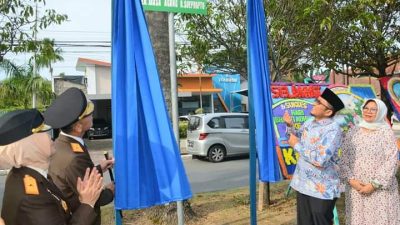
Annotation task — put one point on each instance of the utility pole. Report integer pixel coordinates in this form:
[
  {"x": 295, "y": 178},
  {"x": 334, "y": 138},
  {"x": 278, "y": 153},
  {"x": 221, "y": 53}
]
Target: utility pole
[
  {"x": 174, "y": 99},
  {"x": 34, "y": 57}
]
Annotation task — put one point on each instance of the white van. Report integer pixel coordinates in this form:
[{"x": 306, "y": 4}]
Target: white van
[{"x": 217, "y": 135}]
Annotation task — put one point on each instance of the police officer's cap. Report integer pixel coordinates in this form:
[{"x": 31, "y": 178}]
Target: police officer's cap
[
  {"x": 68, "y": 108},
  {"x": 20, "y": 124}
]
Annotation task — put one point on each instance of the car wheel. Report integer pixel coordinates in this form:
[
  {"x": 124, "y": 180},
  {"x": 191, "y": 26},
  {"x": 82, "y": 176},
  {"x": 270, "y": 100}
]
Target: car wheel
[{"x": 216, "y": 153}]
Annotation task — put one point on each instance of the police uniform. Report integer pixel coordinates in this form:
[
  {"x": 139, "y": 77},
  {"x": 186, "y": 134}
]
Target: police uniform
[
  {"x": 29, "y": 197},
  {"x": 72, "y": 157}
]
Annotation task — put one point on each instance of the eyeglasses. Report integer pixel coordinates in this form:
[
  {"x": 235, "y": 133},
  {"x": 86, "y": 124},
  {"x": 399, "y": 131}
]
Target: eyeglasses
[
  {"x": 318, "y": 102},
  {"x": 373, "y": 110}
]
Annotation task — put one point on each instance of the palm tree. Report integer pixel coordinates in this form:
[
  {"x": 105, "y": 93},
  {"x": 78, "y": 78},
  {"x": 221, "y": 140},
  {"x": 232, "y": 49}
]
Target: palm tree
[
  {"x": 22, "y": 81},
  {"x": 47, "y": 54},
  {"x": 158, "y": 28},
  {"x": 16, "y": 90}
]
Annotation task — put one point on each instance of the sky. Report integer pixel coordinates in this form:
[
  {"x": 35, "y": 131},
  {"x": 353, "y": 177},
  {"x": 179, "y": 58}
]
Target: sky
[{"x": 89, "y": 24}]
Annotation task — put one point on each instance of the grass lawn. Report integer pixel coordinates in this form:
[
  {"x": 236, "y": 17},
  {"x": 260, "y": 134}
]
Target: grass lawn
[{"x": 227, "y": 207}]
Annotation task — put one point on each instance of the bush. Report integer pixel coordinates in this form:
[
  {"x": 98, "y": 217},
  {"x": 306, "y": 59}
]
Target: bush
[{"x": 183, "y": 129}]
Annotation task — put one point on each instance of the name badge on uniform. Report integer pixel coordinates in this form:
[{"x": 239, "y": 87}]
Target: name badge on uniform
[
  {"x": 30, "y": 184},
  {"x": 76, "y": 147}
]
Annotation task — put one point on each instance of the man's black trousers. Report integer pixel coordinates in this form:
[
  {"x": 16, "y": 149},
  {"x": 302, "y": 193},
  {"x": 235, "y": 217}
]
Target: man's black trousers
[{"x": 314, "y": 211}]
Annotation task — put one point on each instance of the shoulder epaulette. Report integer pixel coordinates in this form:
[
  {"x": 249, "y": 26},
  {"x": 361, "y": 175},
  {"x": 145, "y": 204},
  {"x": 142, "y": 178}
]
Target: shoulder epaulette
[
  {"x": 76, "y": 147},
  {"x": 30, "y": 184}
]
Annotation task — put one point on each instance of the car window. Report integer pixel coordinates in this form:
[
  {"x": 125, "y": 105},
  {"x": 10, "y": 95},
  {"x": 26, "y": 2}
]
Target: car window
[
  {"x": 215, "y": 123},
  {"x": 194, "y": 123},
  {"x": 236, "y": 122}
]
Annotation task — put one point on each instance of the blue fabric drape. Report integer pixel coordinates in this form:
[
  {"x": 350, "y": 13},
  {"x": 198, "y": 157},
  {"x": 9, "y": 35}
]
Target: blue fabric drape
[
  {"x": 260, "y": 95},
  {"x": 148, "y": 169}
]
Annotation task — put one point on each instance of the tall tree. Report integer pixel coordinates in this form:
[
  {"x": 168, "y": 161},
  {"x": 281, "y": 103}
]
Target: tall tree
[
  {"x": 361, "y": 34},
  {"x": 218, "y": 39},
  {"x": 22, "y": 81},
  {"x": 19, "y": 21},
  {"x": 158, "y": 29},
  {"x": 16, "y": 90},
  {"x": 47, "y": 54}
]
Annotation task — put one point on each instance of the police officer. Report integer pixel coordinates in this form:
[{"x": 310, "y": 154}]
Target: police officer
[
  {"x": 72, "y": 113},
  {"x": 30, "y": 197}
]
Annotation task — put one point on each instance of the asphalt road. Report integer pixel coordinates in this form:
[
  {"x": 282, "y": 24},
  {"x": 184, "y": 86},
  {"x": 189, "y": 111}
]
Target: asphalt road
[{"x": 204, "y": 176}]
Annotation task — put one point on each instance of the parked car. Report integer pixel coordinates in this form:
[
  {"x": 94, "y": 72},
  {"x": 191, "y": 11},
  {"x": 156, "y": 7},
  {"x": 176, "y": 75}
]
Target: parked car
[
  {"x": 100, "y": 129},
  {"x": 184, "y": 118},
  {"x": 218, "y": 135}
]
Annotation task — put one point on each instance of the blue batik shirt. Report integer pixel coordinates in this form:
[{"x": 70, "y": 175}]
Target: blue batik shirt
[{"x": 316, "y": 171}]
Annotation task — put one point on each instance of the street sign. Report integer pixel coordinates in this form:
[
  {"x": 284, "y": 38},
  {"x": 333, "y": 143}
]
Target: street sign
[{"x": 176, "y": 6}]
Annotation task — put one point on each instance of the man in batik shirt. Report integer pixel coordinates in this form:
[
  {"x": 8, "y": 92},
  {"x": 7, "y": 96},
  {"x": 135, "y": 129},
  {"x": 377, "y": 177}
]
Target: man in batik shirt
[{"x": 316, "y": 177}]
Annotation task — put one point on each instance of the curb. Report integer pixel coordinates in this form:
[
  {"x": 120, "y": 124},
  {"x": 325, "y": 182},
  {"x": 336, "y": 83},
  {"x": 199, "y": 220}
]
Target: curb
[{"x": 186, "y": 156}]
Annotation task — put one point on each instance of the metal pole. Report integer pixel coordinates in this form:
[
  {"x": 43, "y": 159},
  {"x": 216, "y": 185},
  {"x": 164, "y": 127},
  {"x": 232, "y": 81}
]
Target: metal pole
[
  {"x": 212, "y": 103},
  {"x": 230, "y": 102},
  {"x": 253, "y": 156},
  {"x": 174, "y": 97},
  {"x": 52, "y": 80},
  {"x": 201, "y": 96},
  {"x": 252, "y": 138}
]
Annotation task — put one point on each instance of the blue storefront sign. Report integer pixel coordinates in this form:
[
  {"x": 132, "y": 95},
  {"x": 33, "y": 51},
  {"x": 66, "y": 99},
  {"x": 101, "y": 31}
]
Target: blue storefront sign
[{"x": 229, "y": 83}]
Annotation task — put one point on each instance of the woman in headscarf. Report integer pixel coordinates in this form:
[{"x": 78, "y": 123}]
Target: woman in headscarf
[
  {"x": 30, "y": 196},
  {"x": 368, "y": 167}
]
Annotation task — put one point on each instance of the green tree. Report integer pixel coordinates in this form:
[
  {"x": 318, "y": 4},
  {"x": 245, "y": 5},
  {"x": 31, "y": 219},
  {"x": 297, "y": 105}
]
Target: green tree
[
  {"x": 361, "y": 34},
  {"x": 16, "y": 90},
  {"x": 22, "y": 81},
  {"x": 18, "y": 22},
  {"x": 218, "y": 39},
  {"x": 47, "y": 55}
]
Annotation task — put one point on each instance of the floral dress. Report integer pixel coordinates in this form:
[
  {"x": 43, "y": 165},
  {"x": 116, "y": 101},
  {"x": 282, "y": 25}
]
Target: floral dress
[{"x": 371, "y": 156}]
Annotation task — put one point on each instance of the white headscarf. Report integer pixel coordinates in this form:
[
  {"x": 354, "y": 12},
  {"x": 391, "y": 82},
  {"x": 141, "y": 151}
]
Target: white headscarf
[
  {"x": 379, "y": 121},
  {"x": 32, "y": 151}
]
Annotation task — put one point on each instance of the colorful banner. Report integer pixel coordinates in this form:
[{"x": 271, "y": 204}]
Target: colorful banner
[
  {"x": 391, "y": 87},
  {"x": 297, "y": 99}
]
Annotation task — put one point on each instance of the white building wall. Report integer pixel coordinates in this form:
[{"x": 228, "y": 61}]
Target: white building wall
[
  {"x": 91, "y": 80},
  {"x": 103, "y": 80}
]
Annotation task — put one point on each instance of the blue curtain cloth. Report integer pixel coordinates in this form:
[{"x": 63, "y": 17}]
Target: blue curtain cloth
[
  {"x": 260, "y": 95},
  {"x": 148, "y": 167}
]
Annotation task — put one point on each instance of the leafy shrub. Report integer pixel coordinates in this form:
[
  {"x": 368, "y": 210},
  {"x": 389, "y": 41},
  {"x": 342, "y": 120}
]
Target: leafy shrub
[{"x": 183, "y": 129}]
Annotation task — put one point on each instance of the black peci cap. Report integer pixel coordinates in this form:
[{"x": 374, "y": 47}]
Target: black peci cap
[
  {"x": 332, "y": 99},
  {"x": 20, "y": 124},
  {"x": 68, "y": 108}
]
